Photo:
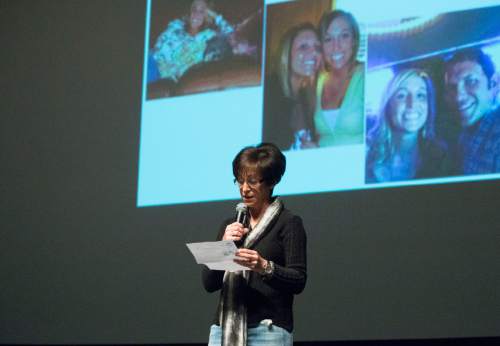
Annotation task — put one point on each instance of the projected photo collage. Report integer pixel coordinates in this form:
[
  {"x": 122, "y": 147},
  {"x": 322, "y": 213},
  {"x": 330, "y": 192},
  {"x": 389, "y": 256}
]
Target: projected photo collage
[{"x": 352, "y": 104}]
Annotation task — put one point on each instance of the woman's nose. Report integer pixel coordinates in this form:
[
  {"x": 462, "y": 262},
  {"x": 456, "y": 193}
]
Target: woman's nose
[
  {"x": 244, "y": 186},
  {"x": 335, "y": 43},
  {"x": 409, "y": 101}
]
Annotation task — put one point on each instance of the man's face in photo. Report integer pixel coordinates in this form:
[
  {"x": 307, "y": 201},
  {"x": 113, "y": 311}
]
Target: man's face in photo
[{"x": 468, "y": 91}]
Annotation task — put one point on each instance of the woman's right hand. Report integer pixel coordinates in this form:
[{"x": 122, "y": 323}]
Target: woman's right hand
[{"x": 234, "y": 231}]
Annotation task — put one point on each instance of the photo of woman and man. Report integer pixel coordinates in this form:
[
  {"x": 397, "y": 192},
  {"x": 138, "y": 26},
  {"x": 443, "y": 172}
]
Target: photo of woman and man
[{"x": 438, "y": 113}]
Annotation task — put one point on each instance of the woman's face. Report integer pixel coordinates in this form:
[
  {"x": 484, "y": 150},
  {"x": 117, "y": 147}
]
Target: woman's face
[
  {"x": 254, "y": 192},
  {"x": 198, "y": 14},
  {"x": 305, "y": 54},
  {"x": 338, "y": 43},
  {"x": 408, "y": 107}
]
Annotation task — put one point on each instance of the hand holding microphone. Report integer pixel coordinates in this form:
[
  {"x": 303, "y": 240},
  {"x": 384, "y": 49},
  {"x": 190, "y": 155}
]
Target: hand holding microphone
[{"x": 237, "y": 230}]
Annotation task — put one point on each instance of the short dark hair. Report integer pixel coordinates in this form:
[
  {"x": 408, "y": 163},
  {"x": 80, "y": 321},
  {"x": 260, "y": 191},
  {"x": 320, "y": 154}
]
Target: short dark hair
[
  {"x": 328, "y": 18},
  {"x": 474, "y": 55},
  {"x": 265, "y": 158}
]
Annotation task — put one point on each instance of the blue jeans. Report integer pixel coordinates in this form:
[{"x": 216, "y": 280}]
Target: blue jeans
[{"x": 263, "y": 335}]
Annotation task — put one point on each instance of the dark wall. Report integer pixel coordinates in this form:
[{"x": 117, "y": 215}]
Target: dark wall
[{"x": 79, "y": 263}]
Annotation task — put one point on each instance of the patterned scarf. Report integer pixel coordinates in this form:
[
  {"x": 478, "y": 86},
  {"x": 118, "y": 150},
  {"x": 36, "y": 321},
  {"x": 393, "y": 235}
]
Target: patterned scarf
[{"x": 233, "y": 319}]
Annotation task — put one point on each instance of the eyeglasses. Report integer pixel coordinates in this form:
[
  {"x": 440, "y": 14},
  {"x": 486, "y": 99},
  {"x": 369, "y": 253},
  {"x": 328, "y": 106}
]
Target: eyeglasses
[{"x": 252, "y": 183}]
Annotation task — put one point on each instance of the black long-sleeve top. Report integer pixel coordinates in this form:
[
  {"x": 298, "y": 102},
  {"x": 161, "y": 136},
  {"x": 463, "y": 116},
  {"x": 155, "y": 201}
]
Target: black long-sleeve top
[{"x": 284, "y": 243}]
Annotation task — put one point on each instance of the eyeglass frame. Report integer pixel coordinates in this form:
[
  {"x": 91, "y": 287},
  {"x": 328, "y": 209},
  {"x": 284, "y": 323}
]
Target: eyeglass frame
[{"x": 252, "y": 184}]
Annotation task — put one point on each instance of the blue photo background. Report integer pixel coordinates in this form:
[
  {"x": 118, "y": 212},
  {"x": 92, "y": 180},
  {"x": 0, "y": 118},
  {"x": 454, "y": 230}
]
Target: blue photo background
[{"x": 187, "y": 143}]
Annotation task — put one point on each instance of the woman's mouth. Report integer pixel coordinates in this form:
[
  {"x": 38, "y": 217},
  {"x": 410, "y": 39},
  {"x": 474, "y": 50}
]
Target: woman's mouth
[
  {"x": 410, "y": 116},
  {"x": 310, "y": 62},
  {"x": 310, "y": 66},
  {"x": 196, "y": 21},
  {"x": 336, "y": 57}
]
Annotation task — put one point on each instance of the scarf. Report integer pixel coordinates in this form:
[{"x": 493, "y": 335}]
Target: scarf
[{"x": 233, "y": 319}]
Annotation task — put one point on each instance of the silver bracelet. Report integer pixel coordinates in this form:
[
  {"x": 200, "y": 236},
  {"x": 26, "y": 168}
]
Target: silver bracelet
[{"x": 269, "y": 269}]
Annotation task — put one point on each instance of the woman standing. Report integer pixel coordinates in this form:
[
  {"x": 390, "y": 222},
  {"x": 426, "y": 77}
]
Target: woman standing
[
  {"x": 339, "y": 111},
  {"x": 255, "y": 306},
  {"x": 404, "y": 145}
]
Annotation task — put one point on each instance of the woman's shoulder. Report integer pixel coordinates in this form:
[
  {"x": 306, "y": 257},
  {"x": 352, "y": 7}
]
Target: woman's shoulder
[
  {"x": 288, "y": 217},
  {"x": 355, "y": 90},
  {"x": 275, "y": 99},
  {"x": 320, "y": 84},
  {"x": 272, "y": 85},
  {"x": 322, "y": 76},
  {"x": 359, "y": 67},
  {"x": 173, "y": 30},
  {"x": 358, "y": 74},
  {"x": 176, "y": 24},
  {"x": 291, "y": 225}
]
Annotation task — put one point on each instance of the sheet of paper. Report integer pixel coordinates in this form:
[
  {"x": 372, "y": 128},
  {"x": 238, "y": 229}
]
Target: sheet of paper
[{"x": 216, "y": 255}]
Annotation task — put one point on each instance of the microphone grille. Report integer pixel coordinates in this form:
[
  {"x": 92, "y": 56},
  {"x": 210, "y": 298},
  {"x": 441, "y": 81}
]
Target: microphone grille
[{"x": 241, "y": 207}]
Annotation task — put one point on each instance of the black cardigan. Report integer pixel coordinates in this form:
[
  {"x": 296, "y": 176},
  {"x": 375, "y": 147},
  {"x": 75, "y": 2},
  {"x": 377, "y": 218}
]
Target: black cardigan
[{"x": 284, "y": 243}]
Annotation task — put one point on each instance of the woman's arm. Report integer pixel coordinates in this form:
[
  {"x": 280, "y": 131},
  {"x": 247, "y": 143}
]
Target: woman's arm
[
  {"x": 222, "y": 25},
  {"x": 212, "y": 279},
  {"x": 289, "y": 276},
  {"x": 171, "y": 34},
  {"x": 292, "y": 276}
]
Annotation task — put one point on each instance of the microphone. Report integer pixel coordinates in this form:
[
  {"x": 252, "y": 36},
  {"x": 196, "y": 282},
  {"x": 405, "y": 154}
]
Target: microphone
[
  {"x": 241, "y": 214},
  {"x": 241, "y": 217}
]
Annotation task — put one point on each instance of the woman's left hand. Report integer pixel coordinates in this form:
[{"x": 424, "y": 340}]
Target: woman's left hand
[{"x": 250, "y": 259}]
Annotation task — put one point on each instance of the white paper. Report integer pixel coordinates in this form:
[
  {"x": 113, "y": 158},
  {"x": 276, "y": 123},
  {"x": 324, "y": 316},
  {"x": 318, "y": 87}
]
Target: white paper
[{"x": 216, "y": 255}]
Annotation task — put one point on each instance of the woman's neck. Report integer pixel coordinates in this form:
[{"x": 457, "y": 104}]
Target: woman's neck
[
  {"x": 405, "y": 144},
  {"x": 256, "y": 213},
  {"x": 192, "y": 31},
  {"x": 405, "y": 159},
  {"x": 342, "y": 74}
]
